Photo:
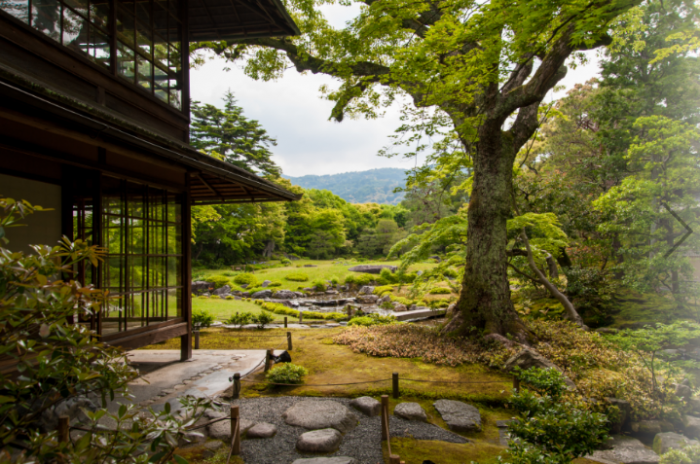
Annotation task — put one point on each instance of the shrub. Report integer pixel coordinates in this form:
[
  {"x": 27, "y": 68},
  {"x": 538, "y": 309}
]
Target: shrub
[
  {"x": 219, "y": 280},
  {"x": 297, "y": 277},
  {"x": 240, "y": 319},
  {"x": 440, "y": 291},
  {"x": 388, "y": 276},
  {"x": 380, "y": 291},
  {"x": 371, "y": 319},
  {"x": 275, "y": 284},
  {"x": 286, "y": 373},
  {"x": 246, "y": 279},
  {"x": 349, "y": 280},
  {"x": 334, "y": 280},
  {"x": 360, "y": 279},
  {"x": 202, "y": 318},
  {"x": 449, "y": 272},
  {"x": 229, "y": 297},
  {"x": 262, "y": 319},
  {"x": 228, "y": 273},
  {"x": 285, "y": 262},
  {"x": 319, "y": 286},
  {"x": 688, "y": 455}
]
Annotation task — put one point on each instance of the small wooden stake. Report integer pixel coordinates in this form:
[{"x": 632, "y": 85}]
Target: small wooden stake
[
  {"x": 285, "y": 322},
  {"x": 385, "y": 416},
  {"x": 196, "y": 339},
  {"x": 289, "y": 341},
  {"x": 301, "y": 317},
  {"x": 236, "y": 385},
  {"x": 395, "y": 384},
  {"x": 516, "y": 383},
  {"x": 235, "y": 431},
  {"x": 394, "y": 459},
  {"x": 63, "y": 429},
  {"x": 268, "y": 360}
]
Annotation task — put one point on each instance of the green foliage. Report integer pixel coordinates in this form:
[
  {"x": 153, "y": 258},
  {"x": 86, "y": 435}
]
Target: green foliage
[
  {"x": 297, "y": 277},
  {"x": 240, "y": 319},
  {"x": 688, "y": 455},
  {"x": 551, "y": 429},
  {"x": 440, "y": 291},
  {"x": 372, "y": 186},
  {"x": 245, "y": 278},
  {"x": 202, "y": 318},
  {"x": 319, "y": 285},
  {"x": 380, "y": 291},
  {"x": 286, "y": 373},
  {"x": 274, "y": 284},
  {"x": 285, "y": 262},
  {"x": 371, "y": 319},
  {"x": 262, "y": 319},
  {"x": 219, "y": 280}
]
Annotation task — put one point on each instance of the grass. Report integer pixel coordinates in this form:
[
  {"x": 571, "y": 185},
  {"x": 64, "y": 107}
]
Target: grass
[
  {"x": 329, "y": 363},
  {"x": 223, "y": 309},
  {"x": 416, "y": 451}
]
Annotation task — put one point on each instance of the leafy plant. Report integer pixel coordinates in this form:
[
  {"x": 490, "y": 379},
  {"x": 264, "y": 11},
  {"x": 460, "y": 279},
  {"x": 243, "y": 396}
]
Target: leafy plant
[
  {"x": 297, "y": 277},
  {"x": 286, "y": 373},
  {"x": 370, "y": 320},
  {"x": 319, "y": 285},
  {"x": 687, "y": 455},
  {"x": 440, "y": 291},
  {"x": 246, "y": 279},
  {"x": 219, "y": 280},
  {"x": 262, "y": 319},
  {"x": 240, "y": 319},
  {"x": 202, "y": 318},
  {"x": 274, "y": 284}
]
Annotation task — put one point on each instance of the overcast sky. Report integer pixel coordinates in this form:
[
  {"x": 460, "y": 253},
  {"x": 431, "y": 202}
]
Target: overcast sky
[{"x": 292, "y": 111}]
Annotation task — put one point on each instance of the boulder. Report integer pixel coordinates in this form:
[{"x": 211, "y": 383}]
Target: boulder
[
  {"x": 692, "y": 426},
  {"x": 294, "y": 304},
  {"x": 384, "y": 299},
  {"x": 262, "y": 430},
  {"x": 460, "y": 417},
  {"x": 367, "y": 290},
  {"x": 399, "y": 308},
  {"x": 625, "y": 409},
  {"x": 528, "y": 358},
  {"x": 319, "y": 441},
  {"x": 646, "y": 427},
  {"x": 310, "y": 265},
  {"x": 694, "y": 405},
  {"x": 201, "y": 286},
  {"x": 245, "y": 294},
  {"x": 367, "y": 299},
  {"x": 372, "y": 268},
  {"x": 284, "y": 295},
  {"x": 684, "y": 391},
  {"x": 333, "y": 460},
  {"x": 625, "y": 450},
  {"x": 262, "y": 294},
  {"x": 368, "y": 405},
  {"x": 265, "y": 283},
  {"x": 331, "y": 292},
  {"x": 411, "y": 411},
  {"x": 323, "y": 414},
  {"x": 670, "y": 440},
  {"x": 299, "y": 294},
  {"x": 225, "y": 290},
  {"x": 222, "y": 430}
]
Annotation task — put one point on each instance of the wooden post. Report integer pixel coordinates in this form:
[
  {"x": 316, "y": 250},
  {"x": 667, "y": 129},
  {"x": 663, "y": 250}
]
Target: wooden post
[
  {"x": 268, "y": 360},
  {"x": 394, "y": 459},
  {"x": 395, "y": 385},
  {"x": 385, "y": 416},
  {"x": 285, "y": 322},
  {"x": 236, "y": 385},
  {"x": 301, "y": 317},
  {"x": 289, "y": 341},
  {"x": 516, "y": 383},
  {"x": 235, "y": 431},
  {"x": 63, "y": 429},
  {"x": 196, "y": 339}
]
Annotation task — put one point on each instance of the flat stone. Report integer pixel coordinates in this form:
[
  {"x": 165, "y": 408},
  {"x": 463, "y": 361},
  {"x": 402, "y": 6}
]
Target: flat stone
[
  {"x": 222, "y": 430},
  {"x": 646, "y": 427},
  {"x": 372, "y": 268},
  {"x": 333, "y": 460},
  {"x": 314, "y": 415},
  {"x": 262, "y": 430},
  {"x": 502, "y": 424},
  {"x": 225, "y": 290},
  {"x": 460, "y": 417},
  {"x": 367, "y": 299},
  {"x": 284, "y": 295},
  {"x": 692, "y": 426},
  {"x": 262, "y": 294},
  {"x": 319, "y": 441},
  {"x": 625, "y": 450},
  {"x": 411, "y": 411},
  {"x": 528, "y": 358},
  {"x": 367, "y": 290},
  {"x": 201, "y": 285},
  {"x": 265, "y": 283},
  {"x": 367, "y": 405},
  {"x": 399, "y": 308},
  {"x": 670, "y": 440}
]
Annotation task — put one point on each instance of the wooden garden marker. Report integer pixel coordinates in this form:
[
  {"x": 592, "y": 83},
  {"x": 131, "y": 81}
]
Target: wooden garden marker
[
  {"x": 285, "y": 322},
  {"x": 394, "y": 459},
  {"x": 236, "y": 385},
  {"x": 385, "y": 417},
  {"x": 235, "y": 433},
  {"x": 63, "y": 429},
  {"x": 196, "y": 339},
  {"x": 301, "y": 317},
  {"x": 289, "y": 341},
  {"x": 395, "y": 384}
]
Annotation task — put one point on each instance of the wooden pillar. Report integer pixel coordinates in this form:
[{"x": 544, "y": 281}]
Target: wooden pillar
[
  {"x": 289, "y": 341},
  {"x": 385, "y": 417},
  {"x": 235, "y": 431},
  {"x": 186, "y": 234},
  {"x": 395, "y": 385},
  {"x": 236, "y": 385},
  {"x": 268, "y": 360}
]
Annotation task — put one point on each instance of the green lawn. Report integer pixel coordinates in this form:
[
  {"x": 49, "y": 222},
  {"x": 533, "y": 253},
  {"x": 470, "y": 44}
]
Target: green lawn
[{"x": 223, "y": 309}]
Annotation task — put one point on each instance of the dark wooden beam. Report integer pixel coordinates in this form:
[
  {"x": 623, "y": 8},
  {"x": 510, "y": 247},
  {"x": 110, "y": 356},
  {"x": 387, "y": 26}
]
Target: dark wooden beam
[
  {"x": 186, "y": 234},
  {"x": 152, "y": 336}
]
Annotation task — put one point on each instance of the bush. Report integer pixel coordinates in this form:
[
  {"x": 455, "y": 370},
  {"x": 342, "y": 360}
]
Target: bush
[
  {"x": 219, "y": 280},
  {"x": 388, "y": 276},
  {"x": 334, "y": 280},
  {"x": 449, "y": 272},
  {"x": 229, "y": 297},
  {"x": 274, "y": 284},
  {"x": 688, "y": 455},
  {"x": 440, "y": 291},
  {"x": 286, "y": 373},
  {"x": 240, "y": 319},
  {"x": 285, "y": 262},
  {"x": 262, "y": 319},
  {"x": 380, "y": 291},
  {"x": 297, "y": 277},
  {"x": 360, "y": 279},
  {"x": 202, "y": 318},
  {"x": 246, "y": 279},
  {"x": 319, "y": 285},
  {"x": 228, "y": 273},
  {"x": 370, "y": 320}
]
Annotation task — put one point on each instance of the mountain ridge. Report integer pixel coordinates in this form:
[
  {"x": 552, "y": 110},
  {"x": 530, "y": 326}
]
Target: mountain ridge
[{"x": 370, "y": 186}]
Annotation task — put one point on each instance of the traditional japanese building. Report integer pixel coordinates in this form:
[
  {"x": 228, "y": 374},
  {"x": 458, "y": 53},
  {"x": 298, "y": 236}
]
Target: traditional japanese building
[{"x": 94, "y": 123}]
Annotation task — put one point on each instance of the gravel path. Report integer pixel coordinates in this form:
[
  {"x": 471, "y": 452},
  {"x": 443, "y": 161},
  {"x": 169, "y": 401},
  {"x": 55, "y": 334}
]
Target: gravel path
[{"x": 363, "y": 442}]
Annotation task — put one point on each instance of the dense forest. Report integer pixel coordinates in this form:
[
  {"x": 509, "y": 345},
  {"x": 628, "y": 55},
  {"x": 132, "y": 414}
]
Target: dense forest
[{"x": 372, "y": 186}]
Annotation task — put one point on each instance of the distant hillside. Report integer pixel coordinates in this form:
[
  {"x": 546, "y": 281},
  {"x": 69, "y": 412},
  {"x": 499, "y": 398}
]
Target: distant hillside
[{"x": 375, "y": 186}]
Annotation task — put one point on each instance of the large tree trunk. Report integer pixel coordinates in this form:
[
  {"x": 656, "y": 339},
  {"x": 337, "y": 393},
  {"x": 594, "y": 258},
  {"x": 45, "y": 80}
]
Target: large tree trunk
[{"x": 484, "y": 304}]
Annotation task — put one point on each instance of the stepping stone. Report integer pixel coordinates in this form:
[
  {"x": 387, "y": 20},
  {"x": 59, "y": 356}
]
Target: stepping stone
[
  {"x": 625, "y": 450},
  {"x": 333, "y": 460},
  {"x": 262, "y": 430},
  {"x": 222, "y": 430},
  {"x": 692, "y": 426},
  {"x": 670, "y": 440},
  {"x": 319, "y": 441},
  {"x": 315, "y": 415},
  {"x": 411, "y": 411},
  {"x": 367, "y": 405},
  {"x": 460, "y": 417}
]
